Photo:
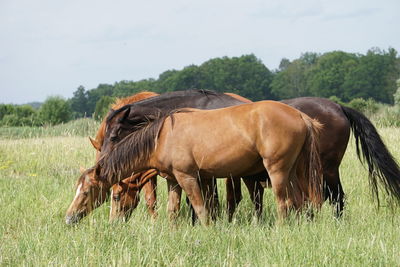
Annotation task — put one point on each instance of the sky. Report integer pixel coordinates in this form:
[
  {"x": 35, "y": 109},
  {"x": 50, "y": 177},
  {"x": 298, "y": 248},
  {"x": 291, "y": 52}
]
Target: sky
[{"x": 49, "y": 48}]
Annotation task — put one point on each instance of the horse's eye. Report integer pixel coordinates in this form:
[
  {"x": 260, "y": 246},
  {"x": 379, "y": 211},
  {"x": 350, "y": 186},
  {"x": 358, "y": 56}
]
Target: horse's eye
[
  {"x": 85, "y": 193},
  {"x": 116, "y": 197}
]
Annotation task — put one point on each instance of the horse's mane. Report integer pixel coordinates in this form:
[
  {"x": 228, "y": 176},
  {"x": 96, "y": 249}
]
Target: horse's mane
[
  {"x": 137, "y": 146},
  {"x": 168, "y": 95},
  {"x": 119, "y": 103}
]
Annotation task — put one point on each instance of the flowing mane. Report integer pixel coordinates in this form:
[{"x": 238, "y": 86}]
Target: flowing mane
[
  {"x": 135, "y": 147},
  {"x": 138, "y": 146}
]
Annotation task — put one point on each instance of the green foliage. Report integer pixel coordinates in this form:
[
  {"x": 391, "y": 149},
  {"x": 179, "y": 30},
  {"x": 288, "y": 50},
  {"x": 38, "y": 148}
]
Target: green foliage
[
  {"x": 54, "y": 110},
  {"x": 369, "y": 106},
  {"x": 337, "y": 100},
  {"x": 327, "y": 76},
  {"x": 79, "y": 103},
  {"x": 94, "y": 95},
  {"x": 373, "y": 77},
  {"x": 291, "y": 82},
  {"x": 80, "y": 127},
  {"x": 16, "y": 115},
  {"x": 103, "y": 106}
]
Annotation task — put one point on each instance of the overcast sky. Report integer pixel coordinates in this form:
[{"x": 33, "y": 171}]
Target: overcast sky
[{"x": 51, "y": 47}]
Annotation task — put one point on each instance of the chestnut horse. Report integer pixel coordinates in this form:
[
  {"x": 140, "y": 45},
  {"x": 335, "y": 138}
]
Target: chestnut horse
[
  {"x": 82, "y": 194},
  {"x": 236, "y": 141}
]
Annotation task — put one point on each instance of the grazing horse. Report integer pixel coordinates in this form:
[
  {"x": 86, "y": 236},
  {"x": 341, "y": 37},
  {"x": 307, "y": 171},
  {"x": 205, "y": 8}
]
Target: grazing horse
[
  {"x": 235, "y": 141},
  {"x": 84, "y": 201},
  {"x": 338, "y": 121},
  {"x": 202, "y": 99}
]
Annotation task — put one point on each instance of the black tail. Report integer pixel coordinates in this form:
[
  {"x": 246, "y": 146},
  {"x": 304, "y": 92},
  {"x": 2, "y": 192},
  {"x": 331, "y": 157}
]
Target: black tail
[{"x": 381, "y": 164}]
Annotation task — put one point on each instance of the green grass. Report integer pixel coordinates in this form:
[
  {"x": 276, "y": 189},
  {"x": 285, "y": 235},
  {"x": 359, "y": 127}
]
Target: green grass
[
  {"x": 37, "y": 177},
  {"x": 80, "y": 127}
]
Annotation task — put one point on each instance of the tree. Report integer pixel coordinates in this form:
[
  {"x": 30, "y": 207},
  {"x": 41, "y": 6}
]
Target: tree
[
  {"x": 373, "y": 77},
  {"x": 291, "y": 81},
  {"x": 328, "y": 74},
  {"x": 55, "y": 110},
  {"x": 102, "y": 107},
  {"x": 79, "y": 103}
]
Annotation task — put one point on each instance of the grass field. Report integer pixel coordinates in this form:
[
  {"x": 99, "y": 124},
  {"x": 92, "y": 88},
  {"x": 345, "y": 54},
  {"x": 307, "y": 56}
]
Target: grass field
[{"x": 37, "y": 177}]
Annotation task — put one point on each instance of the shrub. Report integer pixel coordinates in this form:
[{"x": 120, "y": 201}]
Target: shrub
[
  {"x": 369, "y": 106},
  {"x": 55, "y": 110}
]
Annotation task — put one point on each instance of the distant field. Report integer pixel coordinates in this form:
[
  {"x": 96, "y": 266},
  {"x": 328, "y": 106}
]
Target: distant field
[{"x": 38, "y": 170}]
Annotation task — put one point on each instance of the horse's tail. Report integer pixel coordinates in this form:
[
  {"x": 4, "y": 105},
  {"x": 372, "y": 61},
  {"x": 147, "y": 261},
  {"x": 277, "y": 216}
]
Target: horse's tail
[
  {"x": 312, "y": 167},
  {"x": 382, "y": 166}
]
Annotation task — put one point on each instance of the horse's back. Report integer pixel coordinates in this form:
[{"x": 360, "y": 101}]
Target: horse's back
[{"x": 240, "y": 134}]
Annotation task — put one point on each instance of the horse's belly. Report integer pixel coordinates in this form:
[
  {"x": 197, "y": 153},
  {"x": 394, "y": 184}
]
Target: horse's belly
[{"x": 228, "y": 162}]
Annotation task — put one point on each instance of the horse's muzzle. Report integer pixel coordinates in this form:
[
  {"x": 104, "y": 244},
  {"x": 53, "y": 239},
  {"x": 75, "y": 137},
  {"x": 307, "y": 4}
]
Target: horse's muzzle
[{"x": 73, "y": 219}]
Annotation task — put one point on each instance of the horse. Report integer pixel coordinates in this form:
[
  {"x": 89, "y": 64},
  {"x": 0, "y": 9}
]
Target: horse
[
  {"x": 83, "y": 190},
  {"x": 234, "y": 141},
  {"x": 338, "y": 121},
  {"x": 203, "y": 99}
]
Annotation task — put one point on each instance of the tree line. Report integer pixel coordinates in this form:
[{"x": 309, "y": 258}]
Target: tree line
[{"x": 341, "y": 76}]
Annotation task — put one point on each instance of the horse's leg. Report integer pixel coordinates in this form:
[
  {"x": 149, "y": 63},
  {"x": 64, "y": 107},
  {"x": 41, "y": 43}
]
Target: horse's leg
[
  {"x": 256, "y": 192},
  {"x": 215, "y": 198},
  {"x": 208, "y": 191},
  {"x": 210, "y": 194},
  {"x": 150, "y": 195},
  {"x": 282, "y": 188},
  {"x": 233, "y": 195},
  {"x": 174, "y": 199},
  {"x": 333, "y": 190},
  {"x": 190, "y": 185}
]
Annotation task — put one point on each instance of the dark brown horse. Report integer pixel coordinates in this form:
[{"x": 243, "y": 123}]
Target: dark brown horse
[
  {"x": 338, "y": 121},
  {"x": 235, "y": 141}
]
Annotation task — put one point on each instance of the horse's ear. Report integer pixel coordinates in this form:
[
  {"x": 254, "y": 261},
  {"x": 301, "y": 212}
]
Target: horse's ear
[
  {"x": 126, "y": 113},
  {"x": 81, "y": 169},
  {"x": 95, "y": 144}
]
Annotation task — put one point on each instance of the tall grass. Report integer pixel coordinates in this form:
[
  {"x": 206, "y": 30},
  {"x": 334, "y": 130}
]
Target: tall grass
[
  {"x": 37, "y": 177},
  {"x": 80, "y": 127}
]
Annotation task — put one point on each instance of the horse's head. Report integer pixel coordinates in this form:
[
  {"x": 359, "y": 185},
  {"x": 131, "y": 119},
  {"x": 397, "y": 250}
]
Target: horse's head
[
  {"x": 125, "y": 194},
  {"x": 90, "y": 193},
  {"x": 124, "y": 199}
]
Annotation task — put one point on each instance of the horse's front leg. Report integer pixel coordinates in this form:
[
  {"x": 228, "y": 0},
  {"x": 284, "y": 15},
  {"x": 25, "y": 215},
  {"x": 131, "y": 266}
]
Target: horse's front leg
[
  {"x": 190, "y": 185},
  {"x": 174, "y": 198},
  {"x": 150, "y": 195}
]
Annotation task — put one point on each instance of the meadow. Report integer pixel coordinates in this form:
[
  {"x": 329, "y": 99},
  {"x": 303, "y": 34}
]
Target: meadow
[{"x": 38, "y": 171}]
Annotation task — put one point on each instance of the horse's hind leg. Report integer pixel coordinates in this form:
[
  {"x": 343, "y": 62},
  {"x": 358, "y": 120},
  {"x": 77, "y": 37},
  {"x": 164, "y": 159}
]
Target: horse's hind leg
[
  {"x": 283, "y": 191},
  {"x": 174, "y": 199},
  {"x": 150, "y": 195},
  {"x": 333, "y": 190},
  {"x": 233, "y": 195},
  {"x": 192, "y": 189}
]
